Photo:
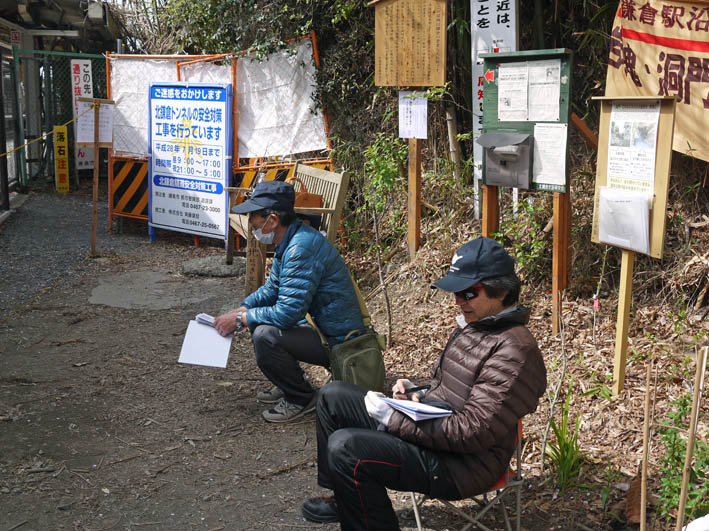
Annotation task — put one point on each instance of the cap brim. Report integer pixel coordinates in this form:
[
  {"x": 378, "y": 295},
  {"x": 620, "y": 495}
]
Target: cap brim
[
  {"x": 453, "y": 282},
  {"x": 247, "y": 206}
]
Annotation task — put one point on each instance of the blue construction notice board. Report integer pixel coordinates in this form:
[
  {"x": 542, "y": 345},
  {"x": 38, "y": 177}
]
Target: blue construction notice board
[{"x": 190, "y": 147}]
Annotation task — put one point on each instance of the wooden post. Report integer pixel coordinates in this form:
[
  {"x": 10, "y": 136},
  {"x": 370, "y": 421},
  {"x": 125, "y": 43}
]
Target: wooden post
[
  {"x": 255, "y": 263},
  {"x": 94, "y": 211},
  {"x": 414, "y": 236},
  {"x": 646, "y": 442},
  {"x": 491, "y": 211},
  {"x": 698, "y": 386},
  {"x": 621, "y": 331},
  {"x": 560, "y": 256}
]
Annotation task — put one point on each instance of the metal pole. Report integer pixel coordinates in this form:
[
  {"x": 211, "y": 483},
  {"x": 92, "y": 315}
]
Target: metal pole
[
  {"x": 46, "y": 157},
  {"x": 20, "y": 119},
  {"x": 4, "y": 184}
]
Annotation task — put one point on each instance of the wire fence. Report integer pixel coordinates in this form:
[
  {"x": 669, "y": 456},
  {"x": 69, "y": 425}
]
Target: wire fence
[{"x": 47, "y": 83}]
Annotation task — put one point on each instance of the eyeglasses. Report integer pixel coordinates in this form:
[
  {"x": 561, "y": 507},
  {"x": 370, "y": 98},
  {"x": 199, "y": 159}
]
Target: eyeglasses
[{"x": 469, "y": 293}]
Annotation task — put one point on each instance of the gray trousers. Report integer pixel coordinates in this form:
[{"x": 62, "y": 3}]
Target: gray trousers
[{"x": 278, "y": 353}]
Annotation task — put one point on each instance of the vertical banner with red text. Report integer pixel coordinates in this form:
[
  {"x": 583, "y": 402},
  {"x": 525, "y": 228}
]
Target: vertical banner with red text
[
  {"x": 661, "y": 48},
  {"x": 82, "y": 87},
  {"x": 61, "y": 159},
  {"x": 494, "y": 30}
]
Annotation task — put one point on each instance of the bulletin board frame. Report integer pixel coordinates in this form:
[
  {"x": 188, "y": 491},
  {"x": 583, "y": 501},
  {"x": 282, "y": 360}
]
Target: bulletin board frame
[
  {"x": 663, "y": 161},
  {"x": 410, "y": 42},
  {"x": 491, "y": 121}
]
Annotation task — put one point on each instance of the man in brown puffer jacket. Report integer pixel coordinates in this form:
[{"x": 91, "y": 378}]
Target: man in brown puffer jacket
[{"x": 490, "y": 374}]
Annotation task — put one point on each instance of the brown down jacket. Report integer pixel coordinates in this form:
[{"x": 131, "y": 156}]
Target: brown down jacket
[{"x": 493, "y": 374}]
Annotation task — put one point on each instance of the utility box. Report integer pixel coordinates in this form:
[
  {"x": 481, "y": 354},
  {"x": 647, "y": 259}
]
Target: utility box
[
  {"x": 525, "y": 119},
  {"x": 508, "y": 159}
]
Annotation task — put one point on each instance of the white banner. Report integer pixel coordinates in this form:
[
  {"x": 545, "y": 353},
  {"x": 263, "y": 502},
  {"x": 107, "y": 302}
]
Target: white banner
[
  {"x": 494, "y": 28},
  {"x": 81, "y": 87},
  {"x": 130, "y": 80},
  {"x": 277, "y": 112}
]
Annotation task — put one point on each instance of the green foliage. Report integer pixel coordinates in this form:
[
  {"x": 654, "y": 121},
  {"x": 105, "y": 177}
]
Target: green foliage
[
  {"x": 673, "y": 463},
  {"x": 522, "y": 233},
  {"x": 383, "y": 166},
  {"x": 601, "y": 390},
  {"x": 566, "y": 455}
]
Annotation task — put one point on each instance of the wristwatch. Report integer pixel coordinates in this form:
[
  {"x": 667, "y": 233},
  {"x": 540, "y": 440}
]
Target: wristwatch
[{"x": 239, "y": 320}]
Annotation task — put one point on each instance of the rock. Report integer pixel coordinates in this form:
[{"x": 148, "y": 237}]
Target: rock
[{"x": 214, "y": 266}]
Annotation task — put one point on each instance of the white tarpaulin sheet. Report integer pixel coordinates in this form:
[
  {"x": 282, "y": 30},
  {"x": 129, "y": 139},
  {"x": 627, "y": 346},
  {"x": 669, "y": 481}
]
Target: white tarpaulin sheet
[
  {"x": 130, "y": 79},
  {"x": 275, "y": 104},
  {"x": 275, "y": 107},
  {"x": 206, "y": 72}
]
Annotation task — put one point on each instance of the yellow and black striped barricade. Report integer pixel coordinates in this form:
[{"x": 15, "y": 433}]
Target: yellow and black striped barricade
[{"x": 128, "y": 188}]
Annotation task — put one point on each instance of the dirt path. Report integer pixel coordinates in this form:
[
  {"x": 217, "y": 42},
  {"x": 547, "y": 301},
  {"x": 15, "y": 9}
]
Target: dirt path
[{"x": 101, "y": 428}]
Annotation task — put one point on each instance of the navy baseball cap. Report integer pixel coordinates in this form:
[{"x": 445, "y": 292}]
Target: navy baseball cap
[
  {"x": 276, "y": 195},
  {"x": 477, "y": 260}
]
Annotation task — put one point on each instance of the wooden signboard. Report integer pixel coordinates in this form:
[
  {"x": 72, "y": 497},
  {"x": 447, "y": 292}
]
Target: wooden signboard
[
  {"x": 633, "y": 156},
  {"x": 665, "y": 131},
  {"x": 410, "y": 43}
]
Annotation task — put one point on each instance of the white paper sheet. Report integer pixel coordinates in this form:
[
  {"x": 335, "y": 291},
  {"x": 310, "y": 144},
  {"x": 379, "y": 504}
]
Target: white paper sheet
[
  {"x": 417, "y": 410},
  {"x": 85, "y": 123},
  {"x": 550, "y": 154},
  {"x": 632, "y": 147},
  {"x": 512, "y": 92},
  {"x": 204, "y": 346},
  {"x": 544, "y": 90},
  {"x": 413, "y": 115},
  {"x": 624, "y": 219}
]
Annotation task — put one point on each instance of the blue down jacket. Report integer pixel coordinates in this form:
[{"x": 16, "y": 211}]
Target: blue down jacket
[{"x": 308, "y": 275}]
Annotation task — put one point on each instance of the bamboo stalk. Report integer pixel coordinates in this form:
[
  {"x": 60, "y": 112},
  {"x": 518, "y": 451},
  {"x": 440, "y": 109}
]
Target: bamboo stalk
[{"x": 698, "y": 385}]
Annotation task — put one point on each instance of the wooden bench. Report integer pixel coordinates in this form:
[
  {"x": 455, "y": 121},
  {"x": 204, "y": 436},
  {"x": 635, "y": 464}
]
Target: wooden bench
[{"x": 330, "y": 185}]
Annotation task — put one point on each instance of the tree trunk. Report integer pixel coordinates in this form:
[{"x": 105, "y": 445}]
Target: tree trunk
[{"x": 453, "y": 143}]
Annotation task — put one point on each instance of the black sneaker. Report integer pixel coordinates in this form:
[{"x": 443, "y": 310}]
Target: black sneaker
[{"x": 321, "y": 509}]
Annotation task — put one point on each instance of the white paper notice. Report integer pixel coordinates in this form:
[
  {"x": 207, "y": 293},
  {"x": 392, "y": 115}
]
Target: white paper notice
[
  {"x": 624, "y": 219},
  {"x": 85, "y": 123},
  {"x": 632, "y": 147},
  {"x": 550, "y": 154},
  {"x": 204, "y": 346},
  {"x": 512, "y": 92},
  {"x": 544, "y": 90},
  {"x": 413, "y": 115}
]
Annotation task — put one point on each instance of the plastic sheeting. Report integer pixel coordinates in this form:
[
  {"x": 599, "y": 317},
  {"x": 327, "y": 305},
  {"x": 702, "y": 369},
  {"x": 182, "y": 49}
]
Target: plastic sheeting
[
  {"x": 276, "y": 109},
  {"x": 130, "y": 81}
]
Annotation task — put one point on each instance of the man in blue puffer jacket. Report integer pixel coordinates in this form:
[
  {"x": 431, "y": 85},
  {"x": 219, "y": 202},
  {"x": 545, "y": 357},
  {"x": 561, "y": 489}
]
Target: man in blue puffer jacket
[{"x": 308, "y": 275}]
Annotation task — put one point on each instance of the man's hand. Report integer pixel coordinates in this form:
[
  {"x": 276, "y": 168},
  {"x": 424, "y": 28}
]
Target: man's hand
[
  {"x": 398, "y": 391},
  {"x": 226, "y": 324}
]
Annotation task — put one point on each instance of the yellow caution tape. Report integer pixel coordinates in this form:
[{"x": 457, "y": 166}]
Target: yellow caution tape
[{"x": 45, "y": 135}]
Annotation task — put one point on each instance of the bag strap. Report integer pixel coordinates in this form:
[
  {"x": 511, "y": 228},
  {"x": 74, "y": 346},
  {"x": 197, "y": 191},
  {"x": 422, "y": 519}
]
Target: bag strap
[
  {"x": 303, "y": 188},
  {"x": 366, "y": 317},
  {"x": 312, "y": 323}
]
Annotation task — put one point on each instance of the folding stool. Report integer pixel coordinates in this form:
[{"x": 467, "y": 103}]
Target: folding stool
[{"x": 510, "y": 483}]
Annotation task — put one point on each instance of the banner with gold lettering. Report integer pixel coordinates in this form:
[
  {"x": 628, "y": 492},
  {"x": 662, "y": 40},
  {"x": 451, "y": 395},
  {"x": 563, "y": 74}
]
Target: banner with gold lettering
[{"x": 661, "y": 47}]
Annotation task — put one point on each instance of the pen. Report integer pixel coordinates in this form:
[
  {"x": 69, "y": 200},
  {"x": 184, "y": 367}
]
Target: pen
[{"x": 412, "y": 390}]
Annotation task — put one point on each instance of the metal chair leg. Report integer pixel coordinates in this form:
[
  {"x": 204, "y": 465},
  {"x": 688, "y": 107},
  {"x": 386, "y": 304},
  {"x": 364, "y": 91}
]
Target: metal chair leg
[{"x": 416, "y": 511}]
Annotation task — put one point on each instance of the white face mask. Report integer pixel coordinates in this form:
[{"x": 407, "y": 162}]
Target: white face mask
[{"x": 266, "y": 239}]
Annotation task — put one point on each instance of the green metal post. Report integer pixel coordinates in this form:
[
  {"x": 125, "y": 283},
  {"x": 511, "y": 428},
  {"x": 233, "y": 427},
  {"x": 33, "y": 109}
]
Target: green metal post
[{"x": 20, "y": 118}]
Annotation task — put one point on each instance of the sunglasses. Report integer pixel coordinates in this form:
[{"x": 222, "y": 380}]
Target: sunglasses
[{"x": 469, "y": 293}]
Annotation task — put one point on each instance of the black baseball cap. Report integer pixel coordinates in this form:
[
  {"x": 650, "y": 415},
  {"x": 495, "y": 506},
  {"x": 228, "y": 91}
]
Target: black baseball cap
[
  {"x": 276, "y": 195},
  {"x": 477, "y": 260}
]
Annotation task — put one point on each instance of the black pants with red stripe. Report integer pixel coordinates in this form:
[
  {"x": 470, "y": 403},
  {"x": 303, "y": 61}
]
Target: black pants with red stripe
[{"x": 359, "y": 463}]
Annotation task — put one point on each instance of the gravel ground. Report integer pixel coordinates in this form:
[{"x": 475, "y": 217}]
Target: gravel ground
[{"x": 47, "y": 241}]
